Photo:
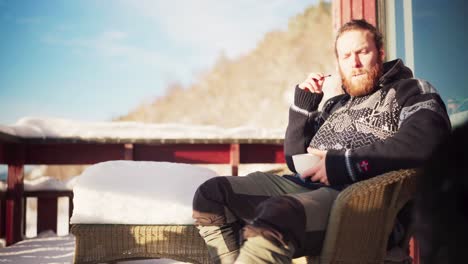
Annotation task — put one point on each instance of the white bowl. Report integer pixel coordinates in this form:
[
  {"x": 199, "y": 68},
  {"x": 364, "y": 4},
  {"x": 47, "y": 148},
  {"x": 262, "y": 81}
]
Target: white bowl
[{"x": 303, "y": 162}]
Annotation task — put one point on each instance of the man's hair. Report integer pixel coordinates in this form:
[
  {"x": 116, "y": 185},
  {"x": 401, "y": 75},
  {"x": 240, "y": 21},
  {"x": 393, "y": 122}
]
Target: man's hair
[{"x": 360, "y": 24}]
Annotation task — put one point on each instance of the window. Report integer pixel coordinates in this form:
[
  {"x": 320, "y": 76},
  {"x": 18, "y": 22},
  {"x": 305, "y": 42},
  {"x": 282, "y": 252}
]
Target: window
[{"x": 429, "y": 35}]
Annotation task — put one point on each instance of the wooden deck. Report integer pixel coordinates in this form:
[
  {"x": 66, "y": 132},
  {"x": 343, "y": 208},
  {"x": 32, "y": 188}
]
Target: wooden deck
[
  {"x": 45, "y": 248},
  {"x": 48, "y": 248}
]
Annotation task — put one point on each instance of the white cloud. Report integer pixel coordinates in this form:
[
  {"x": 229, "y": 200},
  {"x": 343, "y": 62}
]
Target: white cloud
[
  {"x": 203, "y": 28},
  {"x": 113, "y": 44},
  {"x": 213, "y": 26}
]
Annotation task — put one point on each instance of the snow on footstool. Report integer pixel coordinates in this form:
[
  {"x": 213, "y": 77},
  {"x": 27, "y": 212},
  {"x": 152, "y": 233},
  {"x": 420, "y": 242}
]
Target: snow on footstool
[{"x": 137, "y": 209}]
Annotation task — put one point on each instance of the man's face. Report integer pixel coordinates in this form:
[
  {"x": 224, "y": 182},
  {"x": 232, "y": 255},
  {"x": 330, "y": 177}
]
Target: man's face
[{"x": 359, "y": 62}]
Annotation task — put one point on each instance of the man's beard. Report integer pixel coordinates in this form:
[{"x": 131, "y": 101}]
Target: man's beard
[{"x": 364, "y": 86}]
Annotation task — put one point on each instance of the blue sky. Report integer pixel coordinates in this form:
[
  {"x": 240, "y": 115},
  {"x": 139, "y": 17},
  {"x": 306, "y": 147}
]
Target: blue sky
[{"x": 97, "y": 59}]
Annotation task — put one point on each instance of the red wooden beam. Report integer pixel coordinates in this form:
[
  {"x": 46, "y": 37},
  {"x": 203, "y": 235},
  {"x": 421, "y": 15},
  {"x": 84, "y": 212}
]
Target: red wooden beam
[
  {"x": 186, "y": 153},
  {"x": 49, "y": 194},
  {"x": 84, "y": 153},
  {"x": 80, "y": 153},
  {"x": 261, "y": 153}
]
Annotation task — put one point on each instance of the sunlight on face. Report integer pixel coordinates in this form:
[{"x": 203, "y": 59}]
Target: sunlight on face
[{"x": 359, "y": 62}]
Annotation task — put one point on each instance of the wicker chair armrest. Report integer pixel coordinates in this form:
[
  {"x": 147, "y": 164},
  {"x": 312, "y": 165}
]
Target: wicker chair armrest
[{"x": 363, "y": 216}]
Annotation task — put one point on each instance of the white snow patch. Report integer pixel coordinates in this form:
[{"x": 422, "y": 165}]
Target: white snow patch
[{"x": 137, "y": 192}]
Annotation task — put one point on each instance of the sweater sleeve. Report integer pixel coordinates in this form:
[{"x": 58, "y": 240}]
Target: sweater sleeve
[
  {"x": 302, "y": 125},
  {"x": 423, "y": 123}
]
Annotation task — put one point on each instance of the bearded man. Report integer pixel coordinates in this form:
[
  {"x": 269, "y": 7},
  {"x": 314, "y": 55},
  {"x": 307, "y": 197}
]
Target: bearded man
[{"x": 385, "y": 120}]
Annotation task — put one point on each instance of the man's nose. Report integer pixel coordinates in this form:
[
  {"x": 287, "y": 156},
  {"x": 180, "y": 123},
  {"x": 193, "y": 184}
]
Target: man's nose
[{"x": 356, "y": 61}]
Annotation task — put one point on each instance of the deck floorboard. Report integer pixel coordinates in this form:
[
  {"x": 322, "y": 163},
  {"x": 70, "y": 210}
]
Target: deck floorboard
[{"x": 48, "y": 248}]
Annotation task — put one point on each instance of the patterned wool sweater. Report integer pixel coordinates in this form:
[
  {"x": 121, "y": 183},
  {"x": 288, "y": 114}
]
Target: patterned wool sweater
[{"x": 396, "y": 126}]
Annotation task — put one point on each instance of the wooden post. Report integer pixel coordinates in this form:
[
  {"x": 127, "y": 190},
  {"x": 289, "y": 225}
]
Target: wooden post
[
  {"x": 47, "y": 213},
  {"x": 234, "y": 159},
  {"x": 2, "y": 213},
  {"x": 70, "y": 208},
  {"x": 15, "y": 201},
  {"x": 128, "y": 151}
]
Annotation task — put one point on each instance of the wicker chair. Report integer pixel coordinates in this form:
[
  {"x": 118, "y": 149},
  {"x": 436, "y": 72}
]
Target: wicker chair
[
  {"x": 363, "y": 216},
  {"x": 360, "y": 223}
]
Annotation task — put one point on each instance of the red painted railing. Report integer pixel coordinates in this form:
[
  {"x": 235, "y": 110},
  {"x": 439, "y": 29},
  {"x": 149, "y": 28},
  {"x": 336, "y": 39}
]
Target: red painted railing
[
  {"x": 47, "y": 207},
  {"x": 17, "y": 152}
]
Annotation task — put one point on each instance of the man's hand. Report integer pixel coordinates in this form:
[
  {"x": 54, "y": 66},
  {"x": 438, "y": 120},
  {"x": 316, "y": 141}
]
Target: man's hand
[
  {"x": 318, "y": 173},
  {"x": 313, "y": 82}
]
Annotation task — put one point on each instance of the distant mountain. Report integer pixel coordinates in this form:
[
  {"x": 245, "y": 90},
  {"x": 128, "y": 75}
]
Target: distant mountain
[{"x": 255, "y": 89}]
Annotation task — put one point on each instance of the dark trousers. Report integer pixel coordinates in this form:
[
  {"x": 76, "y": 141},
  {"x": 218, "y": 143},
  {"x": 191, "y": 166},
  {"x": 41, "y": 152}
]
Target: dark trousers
[{"x": 280, "y": 219}]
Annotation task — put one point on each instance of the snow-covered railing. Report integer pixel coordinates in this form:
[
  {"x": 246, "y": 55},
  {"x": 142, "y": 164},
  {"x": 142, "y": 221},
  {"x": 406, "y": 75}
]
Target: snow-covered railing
[{"x": 34, "y": 141}]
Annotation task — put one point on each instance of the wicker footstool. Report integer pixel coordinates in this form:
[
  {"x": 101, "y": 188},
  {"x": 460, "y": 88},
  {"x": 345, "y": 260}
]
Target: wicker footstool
[
  {"x": 126, "y": 210},
  {"x": 97, "y": 243}
]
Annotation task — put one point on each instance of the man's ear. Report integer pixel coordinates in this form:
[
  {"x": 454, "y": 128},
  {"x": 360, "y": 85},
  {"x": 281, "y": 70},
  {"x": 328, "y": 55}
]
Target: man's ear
[{"x": 382, "y": 54}]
